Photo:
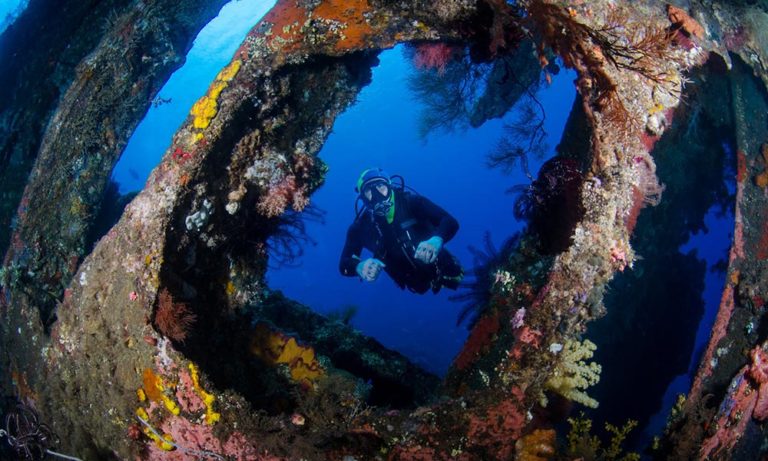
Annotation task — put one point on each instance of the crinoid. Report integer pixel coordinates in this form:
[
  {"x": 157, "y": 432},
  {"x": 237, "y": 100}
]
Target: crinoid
[
  {"x": 477, "y": 288},
  {"x": 552, "y": 203},
  {"x": 27, "y": 436}
]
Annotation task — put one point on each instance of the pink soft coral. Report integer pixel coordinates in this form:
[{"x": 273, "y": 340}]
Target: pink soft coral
[
  {"x": 758, "y": 371},
  {"x": 759, "y": 368},
  {"x": 197, "y": 441},
  {"x": 283, "y": 194}
]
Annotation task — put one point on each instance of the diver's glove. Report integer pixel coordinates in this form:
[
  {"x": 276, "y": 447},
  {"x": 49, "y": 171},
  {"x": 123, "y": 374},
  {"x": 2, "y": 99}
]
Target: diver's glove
[
  {"x": 428, "y": 249},
  {"x": 369, "y": 269}
]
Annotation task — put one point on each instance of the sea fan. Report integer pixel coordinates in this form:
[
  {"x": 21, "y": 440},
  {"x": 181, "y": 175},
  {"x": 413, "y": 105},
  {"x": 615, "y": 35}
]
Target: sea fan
[
  {"x": 174, "y": 320},
  {"x": 288, "y": 235}
]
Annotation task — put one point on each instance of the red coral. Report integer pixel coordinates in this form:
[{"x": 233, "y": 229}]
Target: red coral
[
  {"x": 239, "y": 447},
  {"x": 718, "y": 332},
  {"x": 499, "y": 428},
  {"x": 638, "y": 202},
  {"x": 480, "y": 338},
  {"x": 732, "y": 419},
  {"x": 741, "y": 166},
  {"x": 173, "y": 320},
  {"x": 433, "y": 56},
  {"x": 648, "y": 140},
  {"x": 760, "y": 412},
  {"x": 198, "y": 441},
  {"x": 134, "y": 432},
  {"x": 524, "y": 337},
  {"x": 758, "y": 370},
  {"x": 180, "y": 155},
  {"x": 528, "y": 336}
]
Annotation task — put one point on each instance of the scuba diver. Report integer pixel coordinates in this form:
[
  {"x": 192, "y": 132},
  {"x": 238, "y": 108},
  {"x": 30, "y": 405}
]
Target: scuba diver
[{"x": 405, "y": 233}]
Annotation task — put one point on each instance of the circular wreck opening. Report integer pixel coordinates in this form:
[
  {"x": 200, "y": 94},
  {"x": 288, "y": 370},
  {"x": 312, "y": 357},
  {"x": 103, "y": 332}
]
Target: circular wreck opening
[
  {"x": 518, "y": 124},
  {"x": 451, "y": 167}
]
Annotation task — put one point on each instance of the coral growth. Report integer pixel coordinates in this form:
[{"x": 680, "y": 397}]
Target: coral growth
[
  {"x": 206, "y": 107},
  {"x": 276, "y": 348},
  {"x": 732, "y": 417},
  {"x": 761, "y": 180},
  {"x": 539, "y": 445},
  {"x": 163, "y": 442},
  {"x": 647, "y": 190},
  {"x": 433, "y": 56},
  {"x": 188, "y": 440},
  {"x": 159, "y": 391},
  {"x": 499, "y": 427},
  {"x": 280, "y": 96},
  {"x": 626, "y": 43},
  {"x": 502, "y": 34},
  {"x": 352, "y": 15},
  {"x": 285, "y": 19},
  {"x": 154, "y": 394},
  {"x": 174, "y": 320},
  {"x": 342, "y": 25},
  {"x": 573, "y": 374},
  {"x": 283, "y": 194},
  {"x": 189, "y": 400},
  {"x": 479, "y": 340},
  {"x": 182, "y": 400},
  {"x": 285, "y": 182},
  {"x": 582, "y": 444},
  {"x": 758, "y": 371},
  {"x": 210, "y": 416},
  {"x": 527, "y": 335}
]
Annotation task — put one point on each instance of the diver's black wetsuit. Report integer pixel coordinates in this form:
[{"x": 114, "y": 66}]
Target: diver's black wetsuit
[{"x": 416, "y": 219}]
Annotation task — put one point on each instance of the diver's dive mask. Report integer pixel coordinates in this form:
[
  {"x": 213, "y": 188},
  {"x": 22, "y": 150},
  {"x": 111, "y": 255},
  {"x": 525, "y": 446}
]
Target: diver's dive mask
[
  {"x": 375, "y": 189},
  {"x": 377, "y": 195}
]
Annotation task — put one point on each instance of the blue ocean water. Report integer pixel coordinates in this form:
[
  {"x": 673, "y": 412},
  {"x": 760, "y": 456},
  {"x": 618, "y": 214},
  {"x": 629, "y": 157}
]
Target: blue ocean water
[{"x": 9, "y": 11}]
